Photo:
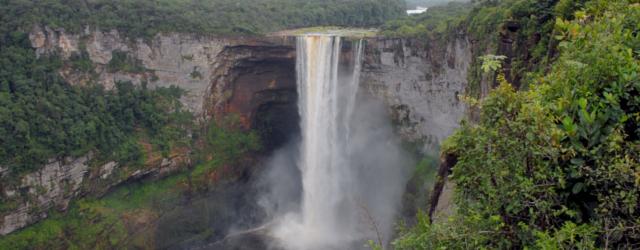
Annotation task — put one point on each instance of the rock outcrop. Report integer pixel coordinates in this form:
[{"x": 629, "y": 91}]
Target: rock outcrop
[
  {"x": 421, "y": 82},
  {"x": 32, "y": 197},
  {"x": 442, "y": 196},
  {"x": 52, "y": 186}
]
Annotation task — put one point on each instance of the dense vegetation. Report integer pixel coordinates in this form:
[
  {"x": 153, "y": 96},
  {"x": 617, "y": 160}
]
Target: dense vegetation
[
  {"x": 129, "y": 216},
  {"x": 529, "y": 23},
  {"x": 433, "y": 24},
  {"x": 43, "y": 117},
  {"x": 557, "y": 166},
  {"x": 146, "y": 18}
]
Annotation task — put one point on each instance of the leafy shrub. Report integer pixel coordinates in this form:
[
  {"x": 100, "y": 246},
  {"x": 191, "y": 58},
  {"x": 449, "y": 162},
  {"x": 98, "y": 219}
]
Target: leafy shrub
[
  {"x": 569, "y": 236},
  {"x": 122, "y": 61},
  {"x": 227, "y": 141},
  {"x": 81, "y": 62},
  {"x": 457, "y": 232}
]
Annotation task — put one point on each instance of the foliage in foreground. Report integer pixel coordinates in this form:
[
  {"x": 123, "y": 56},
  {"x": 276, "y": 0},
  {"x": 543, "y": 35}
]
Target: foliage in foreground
[{"x": 556, "y": 167}]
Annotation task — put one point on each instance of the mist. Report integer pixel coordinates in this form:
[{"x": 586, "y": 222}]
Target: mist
[{"x": 347, "y": 191}]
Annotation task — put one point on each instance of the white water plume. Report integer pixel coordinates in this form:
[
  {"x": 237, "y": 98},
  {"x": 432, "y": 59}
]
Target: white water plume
[{"x": 351, "y": 166}]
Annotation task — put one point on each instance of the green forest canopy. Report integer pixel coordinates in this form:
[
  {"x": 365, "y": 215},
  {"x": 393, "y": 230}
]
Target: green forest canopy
[
  {"x": 435, "y": 23},
  {"x": 145, "y": 18},
  {"x": 41, "y": 116}
]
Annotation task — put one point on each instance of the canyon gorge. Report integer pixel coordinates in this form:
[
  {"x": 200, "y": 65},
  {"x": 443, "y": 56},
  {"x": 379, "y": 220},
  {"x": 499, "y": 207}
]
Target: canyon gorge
[
  {"x": 419, "y": 82},
  {"x": 255, "y": 78},
  {"x": 319, "y": 124}
]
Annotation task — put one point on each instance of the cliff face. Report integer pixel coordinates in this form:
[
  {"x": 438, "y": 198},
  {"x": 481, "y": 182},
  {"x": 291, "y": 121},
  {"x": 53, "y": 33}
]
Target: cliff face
[
  {"x": 251, "y": 77},
  {"x": 245, "y": 76},
  {"x": 421, "y": 82},
  {"x": 51, "y": 186},
  {"x": 168, "y": 59},
  {"x": 202, "y": 66}
]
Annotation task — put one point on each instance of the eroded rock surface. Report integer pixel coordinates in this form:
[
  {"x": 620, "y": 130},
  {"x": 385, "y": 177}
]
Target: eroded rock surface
[
  {"x": 421, "y": 82},
  {"x": 201, "y": 65},
  {"x": 52, "y": 186}
]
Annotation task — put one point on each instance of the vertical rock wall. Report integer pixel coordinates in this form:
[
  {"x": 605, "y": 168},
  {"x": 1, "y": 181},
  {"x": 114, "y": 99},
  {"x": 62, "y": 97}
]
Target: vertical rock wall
[
  {"x": 200, "y": 65},
  {"x": 421, "y": 82},
  {"x": 50, "y": 187}
]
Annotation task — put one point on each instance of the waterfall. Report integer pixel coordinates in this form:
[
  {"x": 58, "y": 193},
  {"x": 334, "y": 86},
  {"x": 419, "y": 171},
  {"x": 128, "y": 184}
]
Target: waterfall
[
  {"x": 325, "y": 104},
  {"x": 327, "y": 94},
  {"x": 347, "y": 151}
]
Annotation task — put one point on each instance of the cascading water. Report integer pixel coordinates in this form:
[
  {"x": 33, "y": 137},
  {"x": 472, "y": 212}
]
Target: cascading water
[
  {"x": 326, "y": 101},
  {"x": 347, "y": 149}
]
